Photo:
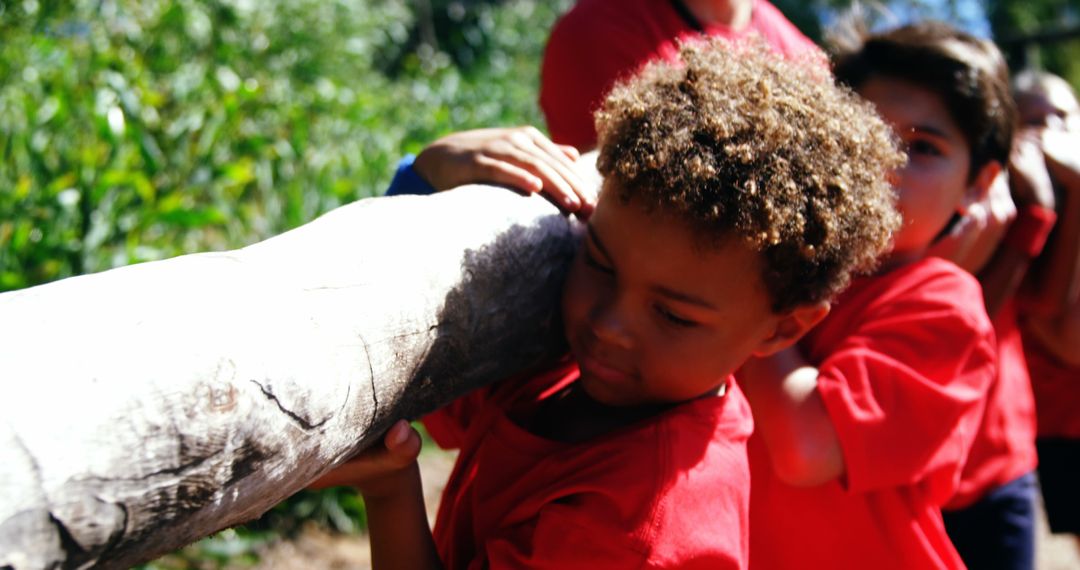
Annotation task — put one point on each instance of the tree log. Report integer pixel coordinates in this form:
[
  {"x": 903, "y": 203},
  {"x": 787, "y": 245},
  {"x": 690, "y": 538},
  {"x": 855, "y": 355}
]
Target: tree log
[{"x": 149, "y": 406}]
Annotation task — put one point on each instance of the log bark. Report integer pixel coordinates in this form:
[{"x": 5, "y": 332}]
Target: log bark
[{"x": 149, "y": 406}]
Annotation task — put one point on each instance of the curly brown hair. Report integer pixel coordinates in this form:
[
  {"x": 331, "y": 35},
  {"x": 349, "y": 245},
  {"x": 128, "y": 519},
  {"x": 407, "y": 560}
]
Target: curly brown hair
[{"x": 740, "y": 143}]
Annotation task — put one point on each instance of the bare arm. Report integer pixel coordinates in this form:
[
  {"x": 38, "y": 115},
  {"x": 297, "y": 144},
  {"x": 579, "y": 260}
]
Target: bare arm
[
  {"x": 397, "y": 524},
  {"x": 519, "y": 157},
  {"x": 1002, "y": 276},
  {"x": 1031, "y": 187},
  {"x": 1053, "y": 315},
  {"x": 791, "y": 417},
  {"x": 1058, "y": 284},
  {"x": 389, "y": 480}
]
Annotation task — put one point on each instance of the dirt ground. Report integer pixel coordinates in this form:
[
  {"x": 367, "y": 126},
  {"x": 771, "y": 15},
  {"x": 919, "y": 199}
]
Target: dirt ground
[{"x": 316, "y": 548}]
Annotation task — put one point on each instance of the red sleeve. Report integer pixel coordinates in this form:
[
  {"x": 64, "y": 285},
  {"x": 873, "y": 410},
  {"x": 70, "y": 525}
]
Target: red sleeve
[
  {"x": 447, "y": 425},
  {"x": 905, "y": 391},
  {"x": 580, "y": 65}
]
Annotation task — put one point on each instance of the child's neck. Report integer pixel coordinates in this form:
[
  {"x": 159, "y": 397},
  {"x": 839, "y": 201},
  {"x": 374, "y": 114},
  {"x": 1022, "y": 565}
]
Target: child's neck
[
  {"x": 898, "y": 260},
  {"x": 572, "y": 416}
]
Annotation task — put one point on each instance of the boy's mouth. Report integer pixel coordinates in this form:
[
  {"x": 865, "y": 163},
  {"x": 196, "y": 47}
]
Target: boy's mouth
[{"x": 603, "y": 371}]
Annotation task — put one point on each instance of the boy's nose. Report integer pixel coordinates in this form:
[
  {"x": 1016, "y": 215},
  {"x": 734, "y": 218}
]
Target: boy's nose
[{"x": 610, "y": 327}]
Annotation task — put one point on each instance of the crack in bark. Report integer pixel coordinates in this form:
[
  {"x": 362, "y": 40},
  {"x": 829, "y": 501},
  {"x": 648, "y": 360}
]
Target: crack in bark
[
  {"x": 303, "y": 423},
  {"x": 72, "y": 549},
  {"x": 345, "y": 402},
  {"x": 117, "y": 537},
  {"x": 371, "y": 378},
  {"x": 179, "y": 469},
  {"x": 429, "y": 330}
]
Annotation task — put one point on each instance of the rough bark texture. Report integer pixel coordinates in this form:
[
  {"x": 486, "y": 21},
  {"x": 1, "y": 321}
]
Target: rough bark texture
[{"x": 149, "y": 406}]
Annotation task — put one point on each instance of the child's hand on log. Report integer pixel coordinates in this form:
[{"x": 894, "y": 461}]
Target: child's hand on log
[
  {"x": 520, "y": 157},
  {"x": 389, "y": 479},
  {"x": 378, "y": 470}
]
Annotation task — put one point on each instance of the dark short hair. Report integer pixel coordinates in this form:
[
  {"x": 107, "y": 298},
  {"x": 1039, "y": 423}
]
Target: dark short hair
[
  {"x": 968, "y": 73},
  {"x": 739, "y": 143}
]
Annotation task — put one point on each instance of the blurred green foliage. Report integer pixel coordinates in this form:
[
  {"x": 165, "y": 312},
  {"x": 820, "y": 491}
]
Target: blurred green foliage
[
  {"x": 340, "y": 509},
  {"x": 1013, "y": 20},
  {"x": 135, "y": 130}
]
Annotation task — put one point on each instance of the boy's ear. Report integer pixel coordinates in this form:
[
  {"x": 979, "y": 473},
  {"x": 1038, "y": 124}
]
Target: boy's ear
[
  {"x": 980, "y": 185},
  {"x": 792, "y": 326}
]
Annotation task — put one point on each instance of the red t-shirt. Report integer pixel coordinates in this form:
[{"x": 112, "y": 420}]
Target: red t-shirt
[
  {"x": 904, "y": 362},
  {"x": 1057, "y": 392},
  {"x": 671, "y": 491},
  {"x": 1004, "y": 446},
  {"x": 600, "y": 41}
]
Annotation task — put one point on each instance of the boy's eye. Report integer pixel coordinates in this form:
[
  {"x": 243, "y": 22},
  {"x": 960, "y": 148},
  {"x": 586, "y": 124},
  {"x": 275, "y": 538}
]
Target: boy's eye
[
  {"x": 674, "y": 319},
  {"x": 923, "y": 148},
  {"x": 595, "y": 264}
]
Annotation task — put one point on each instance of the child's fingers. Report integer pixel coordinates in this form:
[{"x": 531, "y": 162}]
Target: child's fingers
[
  {"x": 570, "y": 152},
  {"x": 536, "y": 162},
  {"x": 499, "y": 171},
  {"x": 402, "y": 443},
  {"x": 557, "y": 157},
  {"x": 400, "y": 447}
]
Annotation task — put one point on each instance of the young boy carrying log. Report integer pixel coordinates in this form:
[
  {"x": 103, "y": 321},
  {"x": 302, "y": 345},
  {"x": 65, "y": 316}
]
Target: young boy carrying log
[{"x": 740, "y": 193}]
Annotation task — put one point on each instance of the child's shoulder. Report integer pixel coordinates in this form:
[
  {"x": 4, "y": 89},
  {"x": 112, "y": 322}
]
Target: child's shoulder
[
  {"x": 931, "y": 299},
  {"x": 704, "y": 483},
  {"x": 927, "y": 275},
  {"x": 698, "y": 435},
  {"x": 661, "y": 447},
  {"x": 930, "y": 284}
]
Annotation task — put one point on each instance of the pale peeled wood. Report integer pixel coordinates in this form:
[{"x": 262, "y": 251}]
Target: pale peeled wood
[{"x": 151, "y": 405}]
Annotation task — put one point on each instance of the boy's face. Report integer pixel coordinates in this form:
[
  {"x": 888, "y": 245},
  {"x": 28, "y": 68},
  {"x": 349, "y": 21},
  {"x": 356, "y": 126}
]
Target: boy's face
[
  {"x": 935, "y": 182},
  {"x": 1053, "y": 108},
  {"x": 652, "y": 317}
]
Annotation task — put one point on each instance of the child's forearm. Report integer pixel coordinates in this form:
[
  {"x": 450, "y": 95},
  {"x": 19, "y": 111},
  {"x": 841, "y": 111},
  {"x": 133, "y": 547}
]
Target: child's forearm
[
  {"x": 1001, "y": 277},
  {"x": 1053, "y": 315},
  {"x": 1060, "y": 283},
  {"x": 398, "y": 527},
  {"x": 791, "y": 417}
]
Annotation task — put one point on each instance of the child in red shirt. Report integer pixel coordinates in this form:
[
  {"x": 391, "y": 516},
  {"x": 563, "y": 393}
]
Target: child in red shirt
[
  {"x": 739, "y": 194},
  {"x": 598, "y": 42},
  {"x": 1051, "y": 317},
  {"x": 991, "y": 516},
  {"x": 863, "y": 429}
]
